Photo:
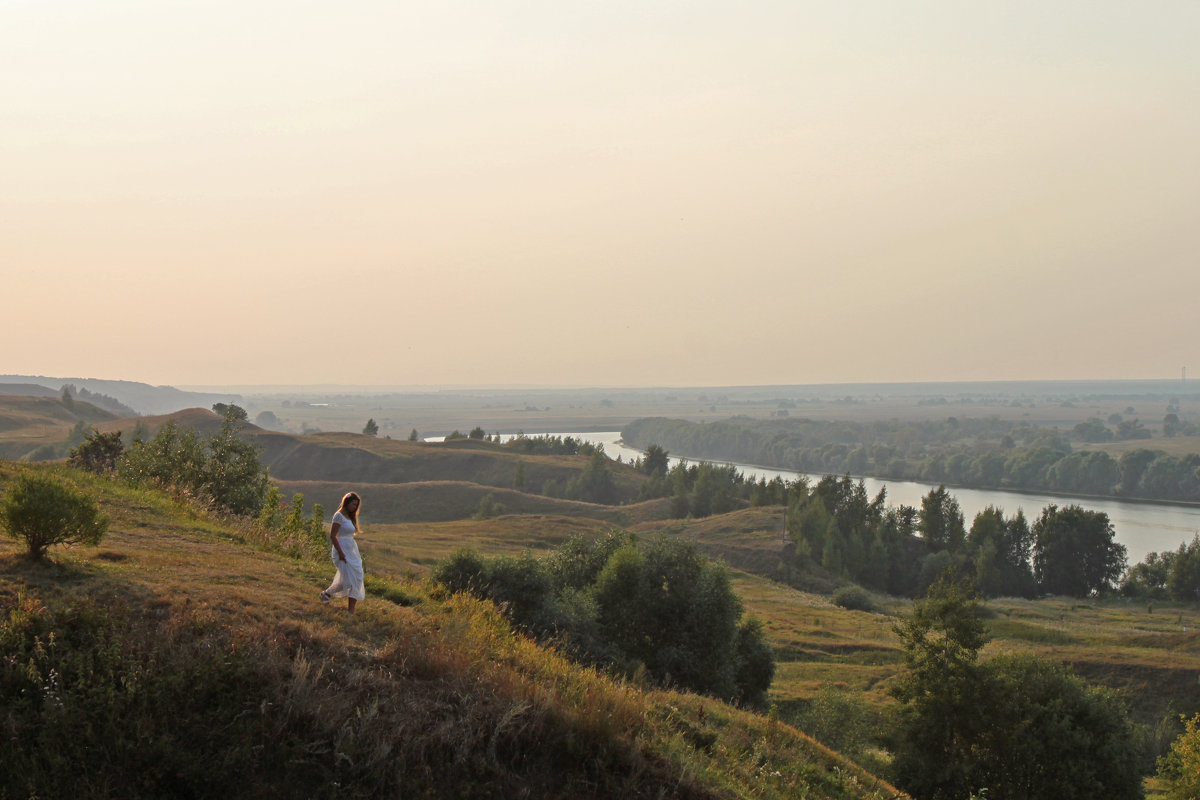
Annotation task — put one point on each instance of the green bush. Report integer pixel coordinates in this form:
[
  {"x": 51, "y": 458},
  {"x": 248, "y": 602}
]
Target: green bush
[
  {"x": 840, "y": 720},
  {"x": 1179, "y": 770},
  {"x": 661, "y": 606},
  {"x": 43, "y": 511},
  {"x": 488, "y": 507},
  {"x": 854, "y": 598},
  {"x": 1019, "y": 726},
  {"x": 98, "y": 452},
  {"x": 463, "y": 571},
  {"x": 223, "y": 469}
]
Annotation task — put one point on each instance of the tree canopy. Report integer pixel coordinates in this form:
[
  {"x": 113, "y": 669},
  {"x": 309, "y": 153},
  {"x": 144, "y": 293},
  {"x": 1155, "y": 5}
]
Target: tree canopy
[
  {"x": 98, "y": 452},
  {"x": 1018, "y": 727},
  {"x": 223, "y": 468},
  {"x": 660, "y": 605},
  {"x": 1075, "y": 552}
]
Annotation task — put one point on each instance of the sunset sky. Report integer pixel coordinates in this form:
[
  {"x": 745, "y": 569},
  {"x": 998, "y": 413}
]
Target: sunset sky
[{"x": 599, "y": 193}]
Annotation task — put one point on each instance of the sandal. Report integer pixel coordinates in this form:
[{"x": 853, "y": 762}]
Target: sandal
[{"x": 324, "y": 597}]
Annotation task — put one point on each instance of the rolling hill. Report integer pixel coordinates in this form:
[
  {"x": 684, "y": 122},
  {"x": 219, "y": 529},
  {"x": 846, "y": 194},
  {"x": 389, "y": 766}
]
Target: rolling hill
[
  {"x": 39, "y": 428},
  {"x": 184, "y": 657}
]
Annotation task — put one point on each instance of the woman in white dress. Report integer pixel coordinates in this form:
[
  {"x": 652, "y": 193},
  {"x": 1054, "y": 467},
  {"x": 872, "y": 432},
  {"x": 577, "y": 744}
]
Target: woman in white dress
[{"x": 348, "y": 582}]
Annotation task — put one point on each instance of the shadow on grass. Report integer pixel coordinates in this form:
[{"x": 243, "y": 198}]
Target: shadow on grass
[{"x": 73, "y": 577}]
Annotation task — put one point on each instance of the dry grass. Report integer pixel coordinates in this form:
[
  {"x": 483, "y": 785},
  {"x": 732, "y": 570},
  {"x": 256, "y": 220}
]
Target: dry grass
[
  {"x": 441, "y": 501},
  {"x": 432, "y": 697}
]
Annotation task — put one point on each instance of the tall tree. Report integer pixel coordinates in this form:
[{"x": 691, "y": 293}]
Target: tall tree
[
  {"x": 655, "y": 461},
  {"x": 230, "y": 411},
  {"x": 942, "y": 520},
  {"x": 1179, "y": 769},
  {"x": 1002, "y": 552},
  {"x": 941, "y": 694},
  {"x": 1017, "y": 726},
  {"x": 1075, "y": 552},
  {"x": 98, "y": 452}
]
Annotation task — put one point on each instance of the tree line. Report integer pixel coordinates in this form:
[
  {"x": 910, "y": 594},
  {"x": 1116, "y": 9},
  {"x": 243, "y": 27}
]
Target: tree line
[
  {"x": 903, "y": 550},
  {"x": 977, "y": 453}
]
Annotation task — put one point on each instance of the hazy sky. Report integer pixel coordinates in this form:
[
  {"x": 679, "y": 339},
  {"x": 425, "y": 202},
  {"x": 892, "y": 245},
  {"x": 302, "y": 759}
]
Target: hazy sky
[{"x": 601, "y": 193}]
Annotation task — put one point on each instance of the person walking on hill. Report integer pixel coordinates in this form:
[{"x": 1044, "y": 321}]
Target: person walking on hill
[{"x": 348, "y": 582}]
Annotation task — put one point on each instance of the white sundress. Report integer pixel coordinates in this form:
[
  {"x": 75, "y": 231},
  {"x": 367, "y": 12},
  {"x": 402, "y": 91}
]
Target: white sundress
[{"x": 349, "y": 579}]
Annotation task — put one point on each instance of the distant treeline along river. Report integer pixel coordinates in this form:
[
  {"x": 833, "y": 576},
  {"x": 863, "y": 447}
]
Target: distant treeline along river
[{"x": 1143, "y": 527}]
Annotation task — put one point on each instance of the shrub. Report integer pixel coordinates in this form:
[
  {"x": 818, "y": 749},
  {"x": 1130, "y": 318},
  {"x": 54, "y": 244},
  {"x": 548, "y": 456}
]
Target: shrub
[
  {"x": 98, "y": 452},
  {"x": 853, "y": 598},
  {"x": 44, "y": 512},
  {"x": 840, "y": 720},
  {"x": 224, "y": 468},
  {"x": 488, "y": 507},
  {"x": 464, "y": 571},
  {"x": 1016, "y": 725},
  {"x": 1180, "y": 768},
  {"x": 661, "y": 606}
]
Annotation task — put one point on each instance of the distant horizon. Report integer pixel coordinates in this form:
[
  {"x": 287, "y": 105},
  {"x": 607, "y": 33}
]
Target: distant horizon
[
  {"x": 266, "y": 388},
  {"x": 385, "y": 388}
]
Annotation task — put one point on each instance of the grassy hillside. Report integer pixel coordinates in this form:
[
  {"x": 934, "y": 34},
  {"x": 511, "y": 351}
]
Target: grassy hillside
[
  {"x": 439, "y": 501},
  {"x": 183, "y": 657},
  {"x": 1149, "y": 654},
  {"x": 32, "y": 424},
  {"x": 412, "y": 481},
  {"x": 351, "y": 458}
]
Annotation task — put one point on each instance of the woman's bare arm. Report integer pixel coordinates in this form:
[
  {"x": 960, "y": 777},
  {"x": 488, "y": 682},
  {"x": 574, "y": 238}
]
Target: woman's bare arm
[{"x": 333, "y": 537}]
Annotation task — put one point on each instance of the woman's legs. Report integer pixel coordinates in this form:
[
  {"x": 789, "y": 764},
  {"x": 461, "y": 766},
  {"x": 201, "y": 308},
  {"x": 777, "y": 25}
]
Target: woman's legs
[{"x": 351, "y": 603}]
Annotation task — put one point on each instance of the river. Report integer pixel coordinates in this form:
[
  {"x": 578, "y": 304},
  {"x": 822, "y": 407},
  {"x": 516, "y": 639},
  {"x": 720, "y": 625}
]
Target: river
[{"x": 1142, "y": 527}]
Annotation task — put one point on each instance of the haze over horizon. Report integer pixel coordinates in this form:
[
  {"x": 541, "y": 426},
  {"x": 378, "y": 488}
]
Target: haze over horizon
[{"x": 599, "y": 194}]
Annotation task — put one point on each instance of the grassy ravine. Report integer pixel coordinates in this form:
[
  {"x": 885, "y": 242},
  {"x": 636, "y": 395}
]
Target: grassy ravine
[
  {"x": 28, "y": 424},
  {"x": 185, "y": 657}
]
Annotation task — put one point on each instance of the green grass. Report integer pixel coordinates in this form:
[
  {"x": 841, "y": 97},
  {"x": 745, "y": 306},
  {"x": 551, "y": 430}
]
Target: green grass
[{"x": 187, "y": 656}]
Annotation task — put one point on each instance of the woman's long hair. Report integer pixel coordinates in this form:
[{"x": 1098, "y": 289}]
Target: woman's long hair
[{"x": 352, "y": 516}]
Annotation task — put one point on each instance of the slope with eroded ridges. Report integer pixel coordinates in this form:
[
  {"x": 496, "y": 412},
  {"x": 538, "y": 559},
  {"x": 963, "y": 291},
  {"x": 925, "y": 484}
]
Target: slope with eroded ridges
[
  {"x": 343, "y": 458},
  {"x": 440, "y": 501},
  {"x": 32, "y": 424},
  {"x": 349, "y": 458}
]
